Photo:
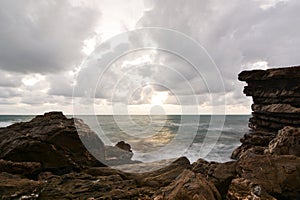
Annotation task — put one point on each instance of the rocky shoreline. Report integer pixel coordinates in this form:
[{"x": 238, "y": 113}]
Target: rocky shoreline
[{"x": 45, "y": 158}]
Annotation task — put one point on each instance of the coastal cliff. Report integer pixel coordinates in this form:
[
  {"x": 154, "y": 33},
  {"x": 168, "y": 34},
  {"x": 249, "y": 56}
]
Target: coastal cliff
[
  {"x": 45, "y": 158},
  {"x": 276, "y": 97},
  {"x": 276, "y": 111}
]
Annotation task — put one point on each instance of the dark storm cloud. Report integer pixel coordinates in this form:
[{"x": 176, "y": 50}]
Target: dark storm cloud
[
  {"x": 43, "y": 36},
  {"x": 46, "y": 37},
  {"x": 236, "y": 33}
]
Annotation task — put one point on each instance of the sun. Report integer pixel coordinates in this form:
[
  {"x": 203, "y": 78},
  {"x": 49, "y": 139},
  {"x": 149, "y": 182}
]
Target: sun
[{"x": 159, "y": 98}]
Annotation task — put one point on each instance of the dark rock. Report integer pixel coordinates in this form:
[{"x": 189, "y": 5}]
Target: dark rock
[
  {"x": 29, "y": 169},
  {"x": 246, "y": 150},
  {"x": 270, "y": 74},
  {"x": 241, "y": 188},
  {"x": 124, "y": 146},
  {"x": 117, "y": 156},
  {"x": 276, "y": 96},
  {"x": 258, "y": 138},
  {"x": 50, "y": 139},
  {"x": 164, "y": 176},
  {"x": 189, "y": 186},
  {"x": 253, "y": 143},
  {"x": 220, "y": 174},
  {"x": 287, "y": 142},
  {"x": 15, "y": 187},
  {"x": 277, "y": 175},
  {"x": 95, "y": 182}
]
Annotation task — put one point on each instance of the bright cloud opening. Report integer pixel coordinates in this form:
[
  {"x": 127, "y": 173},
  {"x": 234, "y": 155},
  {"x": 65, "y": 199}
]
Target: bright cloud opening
[{"x": 159, "y": 98}]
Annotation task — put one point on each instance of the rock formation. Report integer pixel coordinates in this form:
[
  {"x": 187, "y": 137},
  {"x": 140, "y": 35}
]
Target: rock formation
[
  {"x": 50, "y": 139},
  {"x": 276, "y": 104},
  {"x": 276, "y": 97}
]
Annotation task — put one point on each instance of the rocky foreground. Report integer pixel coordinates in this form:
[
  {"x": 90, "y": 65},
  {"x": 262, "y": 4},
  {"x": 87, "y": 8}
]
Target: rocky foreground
[{"x": 45, "y": 158}]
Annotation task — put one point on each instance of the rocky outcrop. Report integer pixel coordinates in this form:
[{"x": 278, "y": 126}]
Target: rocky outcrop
[
  {"x": 27, "y": 169},
  {"x": 276, "y": 97},
  {"x": 242, "y": 189},
  {"x": 189, "y": 186},
  {"x": 279, "y": 176},
  {"x": 119, "y": 154},
  {"x": 99, "y": 183},
  {"x": 51, "y": 140},
  {"x": 59, "y": 143},
  {"x": 221, "y": 174},
  {"x": 287, "y": 142}
]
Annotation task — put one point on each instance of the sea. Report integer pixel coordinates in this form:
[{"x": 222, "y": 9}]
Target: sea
[{"x": 158, "y": 137}]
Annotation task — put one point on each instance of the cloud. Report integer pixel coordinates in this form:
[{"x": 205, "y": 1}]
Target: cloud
[
  {"x": 236, "y": 34},
  {"x": 43, "y": 37},
  {"x": 43, "y": 43},
  {"x": 9, "y": 79}
]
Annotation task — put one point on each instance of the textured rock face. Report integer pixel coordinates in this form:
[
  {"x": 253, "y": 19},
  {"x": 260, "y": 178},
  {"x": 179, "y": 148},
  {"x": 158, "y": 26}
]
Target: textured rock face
[
  {"x": 29, "y": 169},
  {"x": 287, "y": 142},
  {"x": 100, "y": 183},
  {"x": 50, "y": 139},
  {"x": 276, "y": 97},
  {"x": 244, "y": 189},
  {"x": 277, "y": 175},
  {"x": 220, "y": 174},
  {"x": 190, "y": 186}
]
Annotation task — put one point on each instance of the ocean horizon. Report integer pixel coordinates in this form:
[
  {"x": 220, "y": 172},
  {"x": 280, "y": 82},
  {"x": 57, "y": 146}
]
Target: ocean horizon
[{"x": 158, "y": 137}]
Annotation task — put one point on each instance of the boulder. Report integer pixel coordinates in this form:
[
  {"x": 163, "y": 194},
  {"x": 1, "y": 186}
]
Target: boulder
[
  {"x": 164, "y": 176},
  {"x": 50, "y": 139},
  {"x": 221, "y": 174},
  {"x": 287, "y": 142},
  {"x": 189, "y": 186},
  {"x": 244, "y": 189},
  {"x": 253, "y": 143},
  {"x": 279, "y": 176},
  {"x": 117, "y": 156},
  {"x": 124, "y": 146}
]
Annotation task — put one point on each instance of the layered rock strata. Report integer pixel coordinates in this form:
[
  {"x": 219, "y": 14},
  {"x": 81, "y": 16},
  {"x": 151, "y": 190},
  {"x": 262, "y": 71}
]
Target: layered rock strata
[
  {"x": 276, "y": 97},
  {"x": 276, "y": 106}
]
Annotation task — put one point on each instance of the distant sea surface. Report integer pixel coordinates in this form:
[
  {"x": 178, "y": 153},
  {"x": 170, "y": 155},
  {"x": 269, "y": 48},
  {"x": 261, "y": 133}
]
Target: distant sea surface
[{"x": 159, "y": 137}]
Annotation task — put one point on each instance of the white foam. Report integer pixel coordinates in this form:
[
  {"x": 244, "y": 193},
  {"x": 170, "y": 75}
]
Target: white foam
[{"x": 6, "y": 123}]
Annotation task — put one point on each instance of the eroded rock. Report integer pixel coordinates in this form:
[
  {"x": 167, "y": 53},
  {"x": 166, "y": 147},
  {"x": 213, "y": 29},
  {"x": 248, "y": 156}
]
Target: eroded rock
[
  {"x": 50, "y": 139},
  {"x": 189, "y": 186},
  {"x": 287, "y": 142},
  {"x": 278, "y": 175},
  {"x": 244, "y": 189}
]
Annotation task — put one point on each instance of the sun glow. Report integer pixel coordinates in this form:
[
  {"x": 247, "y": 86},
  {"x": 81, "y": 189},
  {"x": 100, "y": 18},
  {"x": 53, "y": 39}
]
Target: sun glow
[
  {"x": 31, "y": 80},
  {"x": 159, "y": 98}
]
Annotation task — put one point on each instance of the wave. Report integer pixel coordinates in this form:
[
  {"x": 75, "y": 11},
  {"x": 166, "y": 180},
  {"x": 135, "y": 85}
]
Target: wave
[{"x": 6, "y": 123}]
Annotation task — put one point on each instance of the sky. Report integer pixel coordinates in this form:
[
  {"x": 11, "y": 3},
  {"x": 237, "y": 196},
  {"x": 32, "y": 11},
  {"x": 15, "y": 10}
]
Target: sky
[{"x": 140, "y": 57}]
